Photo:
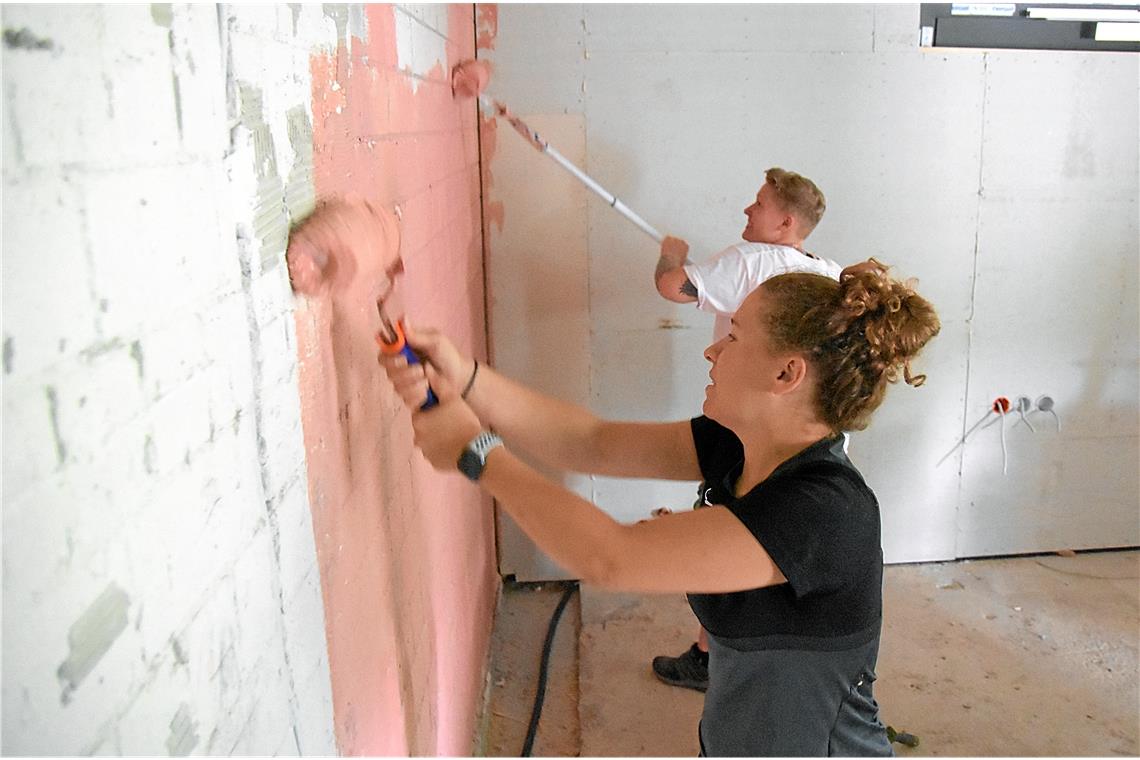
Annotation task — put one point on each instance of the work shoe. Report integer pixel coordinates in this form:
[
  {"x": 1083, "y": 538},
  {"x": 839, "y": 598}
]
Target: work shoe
[{"x": 690, "y": 670}]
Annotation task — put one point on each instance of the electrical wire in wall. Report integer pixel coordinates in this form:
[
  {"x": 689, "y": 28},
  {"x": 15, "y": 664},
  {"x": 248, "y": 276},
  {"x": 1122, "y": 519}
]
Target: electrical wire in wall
[{"x": 999, "y": 408}]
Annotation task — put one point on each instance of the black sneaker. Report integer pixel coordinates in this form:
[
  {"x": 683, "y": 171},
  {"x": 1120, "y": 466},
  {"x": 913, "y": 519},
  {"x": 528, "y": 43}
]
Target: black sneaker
[{"x": 690, "y": 670}]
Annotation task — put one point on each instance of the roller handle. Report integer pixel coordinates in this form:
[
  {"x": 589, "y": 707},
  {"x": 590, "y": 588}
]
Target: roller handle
[
  {"x": 399, "y": 345},
  {"x": 542, "y": 146}
]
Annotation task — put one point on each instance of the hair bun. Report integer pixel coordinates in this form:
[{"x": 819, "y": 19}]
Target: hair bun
[
  {"x": 895, "y": 321},
  {"x": 859, "y": 333}
]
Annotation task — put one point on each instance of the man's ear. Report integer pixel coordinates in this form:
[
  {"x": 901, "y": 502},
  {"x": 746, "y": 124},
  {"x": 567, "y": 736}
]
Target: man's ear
[{"x": 792, "y": 374}]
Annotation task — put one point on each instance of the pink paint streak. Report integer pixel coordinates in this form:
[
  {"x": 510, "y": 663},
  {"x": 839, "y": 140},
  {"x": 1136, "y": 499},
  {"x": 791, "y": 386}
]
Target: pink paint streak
[
  {"x": 520, "y": 126},
  {"x": 487, "y": 25},
  {"x": 406, "y": 555}
]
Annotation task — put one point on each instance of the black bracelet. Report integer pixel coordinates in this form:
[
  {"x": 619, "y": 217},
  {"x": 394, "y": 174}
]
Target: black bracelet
[{"x": 467, "y": 388}]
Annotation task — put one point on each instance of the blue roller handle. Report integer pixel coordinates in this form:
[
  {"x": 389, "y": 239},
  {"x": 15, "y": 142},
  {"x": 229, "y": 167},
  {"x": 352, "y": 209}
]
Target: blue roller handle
[
  {"x": 413, "y": 358},
  {"x": 400, "y": 346}
]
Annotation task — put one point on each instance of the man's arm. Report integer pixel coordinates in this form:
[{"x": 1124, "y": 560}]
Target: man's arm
[{"x": 672, "y": 282}]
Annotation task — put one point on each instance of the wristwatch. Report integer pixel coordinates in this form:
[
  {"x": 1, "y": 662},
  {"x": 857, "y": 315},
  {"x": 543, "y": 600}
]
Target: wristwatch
[{"x": 474, "y": 456}]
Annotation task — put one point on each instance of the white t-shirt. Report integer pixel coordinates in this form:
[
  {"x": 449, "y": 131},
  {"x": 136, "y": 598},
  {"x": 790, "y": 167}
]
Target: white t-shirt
[{"x": 728, "y": 277}]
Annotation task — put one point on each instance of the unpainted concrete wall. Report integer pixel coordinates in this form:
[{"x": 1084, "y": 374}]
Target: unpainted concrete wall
[
  {"x": 186, "y": 570},
  {"x": 1005, "y": 181}
]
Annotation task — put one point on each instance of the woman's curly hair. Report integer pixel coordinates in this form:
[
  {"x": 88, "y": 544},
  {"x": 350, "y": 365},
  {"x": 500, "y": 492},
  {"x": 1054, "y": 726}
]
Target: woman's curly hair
[{"x": 858, "y": 333}]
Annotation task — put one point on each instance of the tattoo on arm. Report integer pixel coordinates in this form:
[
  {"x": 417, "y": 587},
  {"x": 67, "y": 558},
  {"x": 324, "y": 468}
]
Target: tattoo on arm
[{"x": 665, "y": 266}]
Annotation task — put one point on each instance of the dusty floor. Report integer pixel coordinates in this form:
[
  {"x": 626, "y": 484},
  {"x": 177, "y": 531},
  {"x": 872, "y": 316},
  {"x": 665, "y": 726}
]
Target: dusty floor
[{"x": 1014, "y": 657}]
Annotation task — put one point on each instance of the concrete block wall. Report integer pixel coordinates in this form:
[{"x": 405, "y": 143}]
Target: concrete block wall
[{"x": 168, "y": 575}]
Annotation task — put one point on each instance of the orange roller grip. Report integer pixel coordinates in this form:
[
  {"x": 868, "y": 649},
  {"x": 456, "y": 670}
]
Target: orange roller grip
[{"x": 395, "y": 346}]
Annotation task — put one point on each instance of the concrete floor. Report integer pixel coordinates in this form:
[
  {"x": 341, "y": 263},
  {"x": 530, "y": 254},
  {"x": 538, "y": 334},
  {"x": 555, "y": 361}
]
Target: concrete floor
[{"x": 1032, "y": 656}]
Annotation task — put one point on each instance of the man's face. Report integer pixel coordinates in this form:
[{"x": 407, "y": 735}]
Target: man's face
[{"x": 766, "y": 218}]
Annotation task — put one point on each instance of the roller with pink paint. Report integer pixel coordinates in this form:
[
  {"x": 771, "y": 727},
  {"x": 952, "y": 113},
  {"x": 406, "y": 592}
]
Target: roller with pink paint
[
  {"x": 323, "y": 256},
  {"x": 323, "y": 248},
  {"x": 470, "y": 78}
]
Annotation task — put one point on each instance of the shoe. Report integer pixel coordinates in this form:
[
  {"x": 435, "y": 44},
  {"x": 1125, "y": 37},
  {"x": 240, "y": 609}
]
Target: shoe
[{"x": 690, "y": 670}]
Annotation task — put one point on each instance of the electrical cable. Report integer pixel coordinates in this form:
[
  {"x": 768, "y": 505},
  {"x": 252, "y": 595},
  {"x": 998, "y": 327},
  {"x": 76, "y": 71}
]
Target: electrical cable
[
  {"x": 1004, "y": 456},
  {"x": 1045, "y": 404},
  {"x": 1000, "y": 407},
  {"x": 1024, "y": 405},
  {"x": 540, "y": 694},
  {"x": 1087, "y": 575}
]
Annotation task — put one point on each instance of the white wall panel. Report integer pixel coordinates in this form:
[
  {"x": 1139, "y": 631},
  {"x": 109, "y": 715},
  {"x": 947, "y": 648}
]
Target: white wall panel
[
  {"x": 1056, "y": 306},
  {"x": 997, "y": 179},
  {"x": 542, "y": 71},
  {"x": 720, "y": 28},
  {"x": 719, "y": 144},
  {"x": 1061, "y": 125},
  {"x": 537, "y": 288}
]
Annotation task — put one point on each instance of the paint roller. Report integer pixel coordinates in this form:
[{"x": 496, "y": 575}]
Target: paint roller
[
  {"x": 322, "y": 256},
  {"x": 470, "y": 78}
]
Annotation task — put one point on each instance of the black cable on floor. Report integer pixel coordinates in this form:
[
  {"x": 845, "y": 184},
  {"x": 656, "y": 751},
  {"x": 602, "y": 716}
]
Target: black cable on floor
[{"x": 540, "y": 694}]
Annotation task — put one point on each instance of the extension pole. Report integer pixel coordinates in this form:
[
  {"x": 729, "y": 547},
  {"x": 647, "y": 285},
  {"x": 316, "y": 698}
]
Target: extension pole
[{"x": 542, "y": 146}]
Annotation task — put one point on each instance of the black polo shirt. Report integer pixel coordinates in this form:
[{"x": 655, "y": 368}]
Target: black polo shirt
[
  {"x": 818, "y": 520},
  {"x": 792, "y": 667}
]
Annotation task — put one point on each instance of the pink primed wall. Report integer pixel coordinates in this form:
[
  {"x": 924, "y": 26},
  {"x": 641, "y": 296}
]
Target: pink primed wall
[{"x": 406, "y": 555}]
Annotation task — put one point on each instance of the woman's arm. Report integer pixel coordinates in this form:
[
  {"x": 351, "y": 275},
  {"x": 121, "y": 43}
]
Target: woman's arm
[
  {"x": 702, "y": 551},
  {"x": 555, "y": 432},
  {"x": 570, "y": 437},
  {"x": 707, "y": 550}
]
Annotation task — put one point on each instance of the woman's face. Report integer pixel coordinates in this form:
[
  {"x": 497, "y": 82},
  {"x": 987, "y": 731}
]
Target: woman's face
[{"x": 744, "y": 366}]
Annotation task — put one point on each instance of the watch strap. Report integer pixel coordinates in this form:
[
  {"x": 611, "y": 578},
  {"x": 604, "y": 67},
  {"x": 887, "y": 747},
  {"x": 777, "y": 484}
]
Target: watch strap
[{"x": 484, "y": 442}]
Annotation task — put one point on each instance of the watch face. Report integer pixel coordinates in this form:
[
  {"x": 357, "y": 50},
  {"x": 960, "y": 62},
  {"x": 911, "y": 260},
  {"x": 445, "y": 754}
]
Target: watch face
[
  {"x": 470, "y": 464},
  {"x": 474, "y": 456}
]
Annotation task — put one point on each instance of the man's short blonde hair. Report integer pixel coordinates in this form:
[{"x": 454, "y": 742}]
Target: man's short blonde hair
[{"x": 800, "y": 197}]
